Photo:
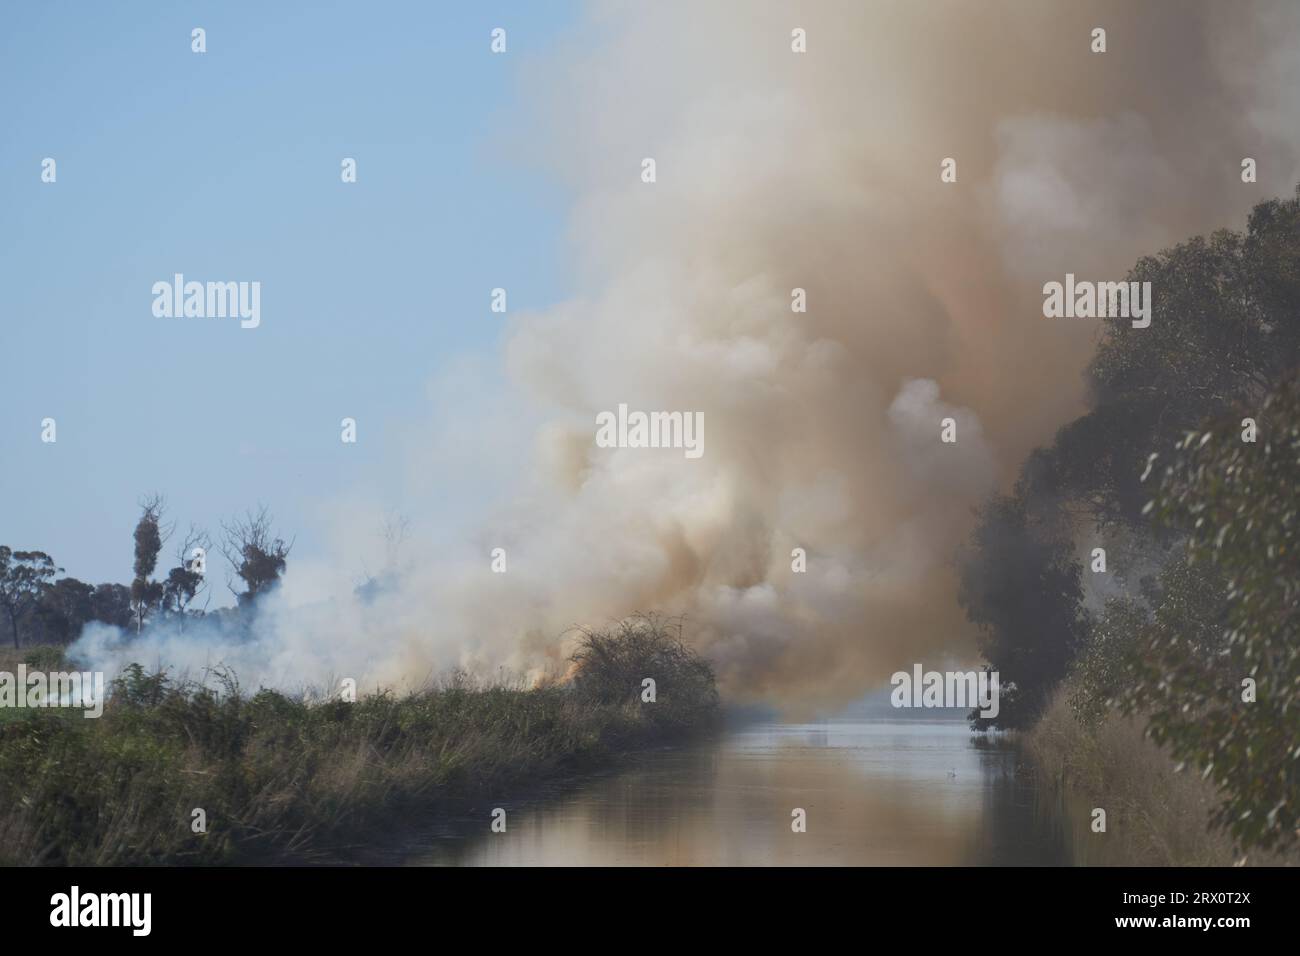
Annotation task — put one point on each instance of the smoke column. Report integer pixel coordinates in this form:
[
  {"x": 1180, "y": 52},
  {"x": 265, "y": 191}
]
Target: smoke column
[{"x": 775, "y": 171}]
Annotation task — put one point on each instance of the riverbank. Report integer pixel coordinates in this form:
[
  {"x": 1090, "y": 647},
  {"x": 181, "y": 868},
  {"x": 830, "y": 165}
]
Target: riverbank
[
  {"x": 1156, "y": 815},
  {"x": 179, "y": 773}
]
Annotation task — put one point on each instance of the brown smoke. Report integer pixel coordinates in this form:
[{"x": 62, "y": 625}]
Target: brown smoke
[{"x": 821, "y": 170}]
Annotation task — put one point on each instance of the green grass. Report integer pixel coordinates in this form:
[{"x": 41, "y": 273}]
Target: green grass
[
  {"x": 42, "y": 657},
  {"x": 281, "y": 778}
]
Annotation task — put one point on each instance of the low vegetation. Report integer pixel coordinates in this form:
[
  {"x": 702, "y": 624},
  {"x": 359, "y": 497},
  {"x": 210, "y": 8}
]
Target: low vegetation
[
  {"x": 1158, "y": 812},
  {"x": 1155, "y": 814},
  {"x": 281, "y": 778}
]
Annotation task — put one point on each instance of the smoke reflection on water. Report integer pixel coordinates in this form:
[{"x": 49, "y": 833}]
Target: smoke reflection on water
[{"x": 879, "y": 792}]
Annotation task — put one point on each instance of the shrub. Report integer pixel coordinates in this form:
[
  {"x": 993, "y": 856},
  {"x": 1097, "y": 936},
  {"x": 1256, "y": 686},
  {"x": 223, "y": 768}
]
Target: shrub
[{"x": 612, "y": 665}]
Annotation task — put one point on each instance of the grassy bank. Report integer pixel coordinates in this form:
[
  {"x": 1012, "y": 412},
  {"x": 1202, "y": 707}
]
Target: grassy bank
[
  {"x": 1156, "y": 815},
  {"x": 284, "y": 779}
]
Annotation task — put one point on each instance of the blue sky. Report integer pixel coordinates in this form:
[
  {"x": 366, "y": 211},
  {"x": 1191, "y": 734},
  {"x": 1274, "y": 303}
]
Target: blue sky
[{"x": 225, "y": 166}]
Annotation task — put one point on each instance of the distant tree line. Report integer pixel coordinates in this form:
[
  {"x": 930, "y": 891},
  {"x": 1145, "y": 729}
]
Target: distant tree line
[
  {"x": 1199, "y": 527},
  {"x": 40, "y": 607}
]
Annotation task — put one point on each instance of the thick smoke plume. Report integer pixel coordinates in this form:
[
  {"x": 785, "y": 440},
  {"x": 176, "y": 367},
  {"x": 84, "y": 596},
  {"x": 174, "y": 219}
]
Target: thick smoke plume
[{"x": 821, "y": 171}]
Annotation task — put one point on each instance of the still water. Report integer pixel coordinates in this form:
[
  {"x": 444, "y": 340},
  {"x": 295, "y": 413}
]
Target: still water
[{"x": 876, "y": 793}]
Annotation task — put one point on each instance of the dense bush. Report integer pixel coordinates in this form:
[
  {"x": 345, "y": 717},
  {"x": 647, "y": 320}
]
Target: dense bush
[{"x": 611, "y": 667}]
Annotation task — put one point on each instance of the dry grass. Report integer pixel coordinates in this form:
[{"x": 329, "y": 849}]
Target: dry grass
[{"x": 1155, "y": 815}]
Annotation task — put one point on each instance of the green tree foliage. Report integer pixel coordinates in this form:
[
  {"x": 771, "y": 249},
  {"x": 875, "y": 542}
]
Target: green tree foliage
[
  {"x": 24, "y": 578},
  {"x": 256, "y": 552},
  {"x": 64, "y": 608},
  {"x": 55, "y": 613},
  {"x": 1225, "y": 328},
  {"x": 149, "y": 535},
  {"x": 111, "y": 603},
  {"x": 1020, "y": 583},
  {"x": 179, "y": 589},
  {"x": 41, "y": 610},
  {"x": 187, "y": 579},
  {"x": 1236, "y": 503}
]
